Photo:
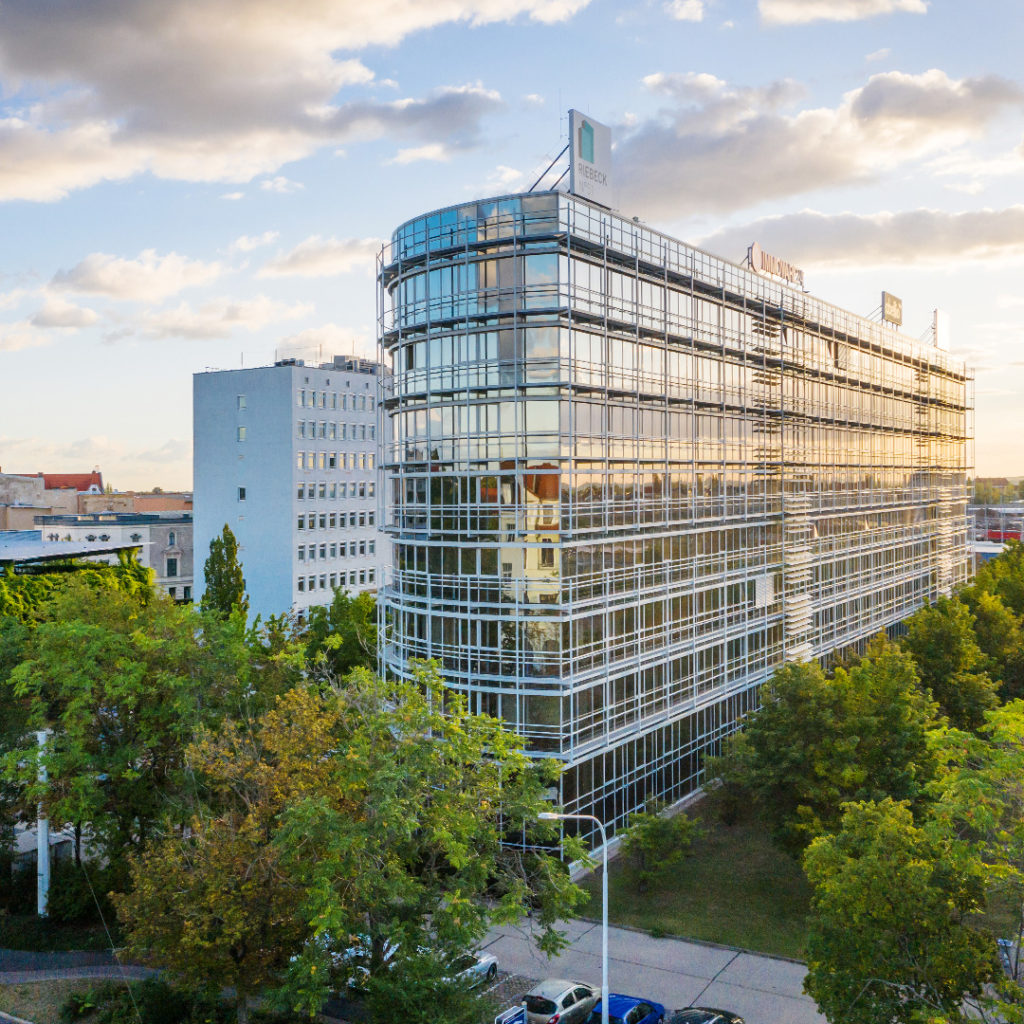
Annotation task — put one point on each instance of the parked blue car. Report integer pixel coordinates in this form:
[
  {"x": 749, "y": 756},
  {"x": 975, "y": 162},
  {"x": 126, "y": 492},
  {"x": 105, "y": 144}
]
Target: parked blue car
[{"x": 628, "y": 1010}]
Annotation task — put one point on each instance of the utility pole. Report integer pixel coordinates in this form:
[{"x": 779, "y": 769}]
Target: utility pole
[{"x": 42, "y": 837}]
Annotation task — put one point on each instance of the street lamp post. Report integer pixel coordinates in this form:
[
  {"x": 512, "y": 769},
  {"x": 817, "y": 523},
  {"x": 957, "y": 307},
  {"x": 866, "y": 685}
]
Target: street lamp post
[{"x": 554, "y": 816}]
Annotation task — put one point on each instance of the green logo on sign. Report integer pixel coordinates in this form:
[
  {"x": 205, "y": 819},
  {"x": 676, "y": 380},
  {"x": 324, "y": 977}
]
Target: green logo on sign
[{"x": 586, "y": 141}]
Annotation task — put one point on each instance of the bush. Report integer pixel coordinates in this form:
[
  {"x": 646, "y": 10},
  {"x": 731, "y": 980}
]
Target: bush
[
  {"x": 157, "y": 1002},
  {"x": 71, "y": 898},
  {"x": 654, "y": 845}
]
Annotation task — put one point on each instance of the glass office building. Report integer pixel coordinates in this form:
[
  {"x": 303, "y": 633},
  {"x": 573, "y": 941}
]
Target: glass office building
[{"x": 627, "y": 479}]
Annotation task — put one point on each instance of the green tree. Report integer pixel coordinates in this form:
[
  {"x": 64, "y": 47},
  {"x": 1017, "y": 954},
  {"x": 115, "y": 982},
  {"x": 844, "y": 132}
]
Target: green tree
[
  {"x": 998, "y": 633},
  {"x": 344, "y": 634},
  {"x": 225, "y": 586},
  {"x": 424, "y": 986},
  {"x": 373, "y": 812},
  {"x": 983, "y": 801},
  {"x": 941, "y": 639},
  {"x": 123, "y": 685},
  {"x": 816, "y": 743},
  {"x": 410, "y": 849},
  {"x": 1004, "y": 576},
  {"x": 890, "y": 938},
  {"x": 655, "y": 845},
  {"x": 210, "y": 902},
  {"x": 24, "y": 595}
]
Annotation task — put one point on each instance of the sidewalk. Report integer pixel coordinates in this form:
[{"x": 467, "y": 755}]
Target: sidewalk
[{"x": 762, "y": 989}]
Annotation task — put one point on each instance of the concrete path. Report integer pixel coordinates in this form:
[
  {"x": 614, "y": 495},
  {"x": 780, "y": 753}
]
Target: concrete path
[{"x": 762, "y": 989}]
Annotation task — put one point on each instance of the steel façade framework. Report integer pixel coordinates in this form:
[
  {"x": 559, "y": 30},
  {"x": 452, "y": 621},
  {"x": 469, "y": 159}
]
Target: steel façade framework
[{"x": 627, "y": 479}]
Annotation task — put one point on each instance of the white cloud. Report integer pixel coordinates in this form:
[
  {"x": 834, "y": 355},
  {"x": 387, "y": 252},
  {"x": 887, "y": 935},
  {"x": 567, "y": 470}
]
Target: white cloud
[
  {"x": 800, "y": 12},
  {"x": 234, "y": 196},
  {"x": 686, "y": 10},
  {"x": 926, "y": 237},
  {"x": 878, "y": 54},
  {"x": 326, "y": 341},
  {"x": 149, "y": 278},
  {"x": 8, "y": 300},
  {"x": 219, "y": 318},
  {"x": 58, "y": 313},
  {"x": 431, "y": 151},
  {"x": 224, "y": 90},
  {"x": 534, "y": 99},
  {"x": 324, "y": 257},
  {"x": 502, "y": 180},
  {"x": 21, "y": 335},
  {"x": 281, "y": 184},
  {"x": 246, "y": 243},
  {"x": 721, "y": 147}
]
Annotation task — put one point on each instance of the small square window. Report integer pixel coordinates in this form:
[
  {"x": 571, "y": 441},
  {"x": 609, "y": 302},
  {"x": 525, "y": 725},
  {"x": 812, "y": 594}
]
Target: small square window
[
  {"x": 300, "y": 459},
  {"x": 300, "y": 491},
  {"x": 172, "y": 567},
  {"x": 241, "y": 433},
  {"x": 300, "y": 584},
  {"x": 323, "y": 491},
  {"x": 241, "y": 494},
  {"x": 241, "y": 401},
  {"x": 302, "y": 552}
]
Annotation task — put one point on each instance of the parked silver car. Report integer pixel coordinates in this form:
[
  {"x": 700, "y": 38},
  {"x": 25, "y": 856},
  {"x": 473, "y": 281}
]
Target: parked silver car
[
  {"x": 558, "y": 1001},
  {"x": 474, "y": 968}
]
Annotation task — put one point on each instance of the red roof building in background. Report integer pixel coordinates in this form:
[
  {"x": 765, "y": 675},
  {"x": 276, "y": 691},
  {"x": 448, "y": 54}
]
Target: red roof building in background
[{"x": 81, "y": 482}]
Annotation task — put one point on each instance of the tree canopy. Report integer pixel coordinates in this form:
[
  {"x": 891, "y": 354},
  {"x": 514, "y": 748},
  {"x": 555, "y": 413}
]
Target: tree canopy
[
  {"x": 369, "y": 814},
  {"x": 816, "y": 743},
  {"x": 941, "y": 639},
  {"x": 891, "y": 935}
]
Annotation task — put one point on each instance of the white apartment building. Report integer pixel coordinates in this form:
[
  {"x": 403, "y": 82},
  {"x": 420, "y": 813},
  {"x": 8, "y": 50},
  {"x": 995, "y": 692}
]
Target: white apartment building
[{"x": 286, "y": 455}]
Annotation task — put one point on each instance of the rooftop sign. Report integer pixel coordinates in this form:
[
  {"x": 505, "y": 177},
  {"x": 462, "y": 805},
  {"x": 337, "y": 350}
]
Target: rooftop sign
[
  {"x": 764, "y": 263},
  {"x": 892, "y": 309},
  {"x": 590, "y": 159}
]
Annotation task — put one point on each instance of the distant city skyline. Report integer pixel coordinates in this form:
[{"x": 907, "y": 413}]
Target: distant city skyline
[{"x": 188, "y": 186}]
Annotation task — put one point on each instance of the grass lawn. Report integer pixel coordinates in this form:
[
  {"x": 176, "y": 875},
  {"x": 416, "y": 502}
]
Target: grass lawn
[
  {"x": 736, "y": 888},
  {"x": 40, "y": 1001}
]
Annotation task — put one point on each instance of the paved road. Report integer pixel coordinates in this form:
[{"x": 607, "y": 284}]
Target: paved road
[{"x": 763, "y": 989}]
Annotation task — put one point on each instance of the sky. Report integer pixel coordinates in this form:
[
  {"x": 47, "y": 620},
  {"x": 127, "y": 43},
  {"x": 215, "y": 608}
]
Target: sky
[{"x": 187, "y": 185}]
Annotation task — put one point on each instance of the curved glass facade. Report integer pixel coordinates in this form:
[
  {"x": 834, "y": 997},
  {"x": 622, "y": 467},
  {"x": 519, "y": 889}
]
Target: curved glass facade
[{"x": 626, "y": 479}]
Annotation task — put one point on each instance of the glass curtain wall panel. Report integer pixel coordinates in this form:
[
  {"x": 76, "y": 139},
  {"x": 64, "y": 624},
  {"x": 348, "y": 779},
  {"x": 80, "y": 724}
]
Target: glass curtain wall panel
[{"x": 625, "y": 480}]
